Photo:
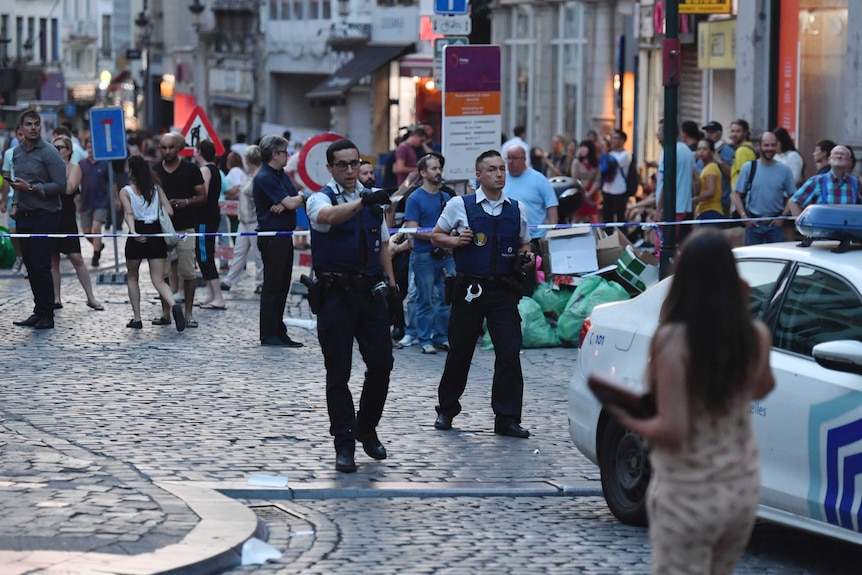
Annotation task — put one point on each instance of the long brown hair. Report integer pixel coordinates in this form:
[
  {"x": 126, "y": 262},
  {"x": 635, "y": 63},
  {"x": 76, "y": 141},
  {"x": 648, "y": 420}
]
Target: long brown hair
[{"x": 706, "y": 297}]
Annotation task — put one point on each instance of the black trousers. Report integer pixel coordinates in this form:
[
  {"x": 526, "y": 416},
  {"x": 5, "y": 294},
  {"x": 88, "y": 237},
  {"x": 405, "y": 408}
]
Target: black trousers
[
  {"x": 36, "y": 253},
  {"x": 499, "y": 305},
  {"x": 614, "y": 208},
  {"x": 205, "y": 250},
  {"x": 277, "y": 255},
  {"x": 346, "y": 316}
]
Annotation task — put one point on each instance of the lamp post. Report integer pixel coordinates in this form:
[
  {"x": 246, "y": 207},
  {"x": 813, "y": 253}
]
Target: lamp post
[
  {"x": 201, "y": 82},
  {"x": 143, "y": 22}
]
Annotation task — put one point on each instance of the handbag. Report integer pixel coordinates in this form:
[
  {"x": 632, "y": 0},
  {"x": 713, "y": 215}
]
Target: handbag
[{"x": 166, "y": 224}]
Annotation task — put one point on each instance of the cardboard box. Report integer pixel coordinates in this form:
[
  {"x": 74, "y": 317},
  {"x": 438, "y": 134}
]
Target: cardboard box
[
  {"x": 638, "y": 269},
  {"x": 609, "y": 248},
  {"x": 572, "y": 251}
]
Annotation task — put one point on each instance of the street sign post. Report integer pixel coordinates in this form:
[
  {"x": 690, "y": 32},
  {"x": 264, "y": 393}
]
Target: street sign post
[
  {"x": 451, "y": 6},
  {"x": 108, "y": 139},
  {"x": 108, "y": 133},
  {"x": 451, "y": 25}
]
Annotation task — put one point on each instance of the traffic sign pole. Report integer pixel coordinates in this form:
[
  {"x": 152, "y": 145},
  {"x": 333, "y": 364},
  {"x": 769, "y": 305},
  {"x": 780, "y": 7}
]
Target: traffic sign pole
[{"x": 109, "y": 143}]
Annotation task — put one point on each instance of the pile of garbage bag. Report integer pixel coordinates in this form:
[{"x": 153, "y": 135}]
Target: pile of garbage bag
[{"x": 553, "y": 317}]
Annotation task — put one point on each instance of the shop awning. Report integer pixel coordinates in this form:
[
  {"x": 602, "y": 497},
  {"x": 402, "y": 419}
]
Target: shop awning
[{"x": 363, "y": 63}]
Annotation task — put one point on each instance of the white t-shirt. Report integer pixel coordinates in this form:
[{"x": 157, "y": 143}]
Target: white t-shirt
[{"x": 618, "y": 186}]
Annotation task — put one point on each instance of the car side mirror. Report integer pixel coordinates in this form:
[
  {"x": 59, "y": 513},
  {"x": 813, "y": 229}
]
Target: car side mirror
[{"x": 842, "y": 355}]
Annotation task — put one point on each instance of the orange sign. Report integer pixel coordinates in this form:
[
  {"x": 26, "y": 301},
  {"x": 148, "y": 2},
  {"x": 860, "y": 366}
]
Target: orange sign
[
  {"x": 788, "y": 66},
  {"x": 472, "y": 103}
]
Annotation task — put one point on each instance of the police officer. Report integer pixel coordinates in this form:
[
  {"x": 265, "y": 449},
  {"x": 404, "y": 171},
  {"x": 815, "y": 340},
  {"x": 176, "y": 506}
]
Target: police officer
[
  {"x": 350, "y": 257},
  {"x": 490, "y": 236}
]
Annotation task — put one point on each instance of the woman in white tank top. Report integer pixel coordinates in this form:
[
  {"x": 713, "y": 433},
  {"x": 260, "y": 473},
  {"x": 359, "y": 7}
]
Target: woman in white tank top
[{"x": 141, "y": 200}]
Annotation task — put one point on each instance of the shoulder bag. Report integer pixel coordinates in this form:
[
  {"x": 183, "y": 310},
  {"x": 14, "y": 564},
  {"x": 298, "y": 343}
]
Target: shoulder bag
[{"x": 166, "y": 224}]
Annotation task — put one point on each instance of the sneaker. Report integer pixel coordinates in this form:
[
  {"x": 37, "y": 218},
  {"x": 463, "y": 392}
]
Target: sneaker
[
  {"x": 16, "y": 267},
  {"x": 428, "y": 349},
  {"x": 443, "y": 346},
  {"x": 407, "y": 340}
]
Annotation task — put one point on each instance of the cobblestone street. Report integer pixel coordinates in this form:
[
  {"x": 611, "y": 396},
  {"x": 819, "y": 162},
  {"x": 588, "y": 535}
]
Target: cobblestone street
[{"x": 96, "y": 417}]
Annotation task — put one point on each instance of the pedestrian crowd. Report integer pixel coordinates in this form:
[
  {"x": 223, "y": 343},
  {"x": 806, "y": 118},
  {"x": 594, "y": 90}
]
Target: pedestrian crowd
[{"x": 464, "y": 271}]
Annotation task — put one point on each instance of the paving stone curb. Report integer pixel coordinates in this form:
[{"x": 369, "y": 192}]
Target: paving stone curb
[{"x": 213, "y": 545}]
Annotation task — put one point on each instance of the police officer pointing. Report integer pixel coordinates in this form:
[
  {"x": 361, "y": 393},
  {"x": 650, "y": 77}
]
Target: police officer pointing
[
  {"x": 490, "y": 236},
  {"x": 350, "y": 257}
]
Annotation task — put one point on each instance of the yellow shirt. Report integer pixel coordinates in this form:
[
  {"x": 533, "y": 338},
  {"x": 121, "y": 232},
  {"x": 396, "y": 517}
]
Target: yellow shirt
[
  {"x": 744, "y": 154},
  {"x": 713, "y": 203}
]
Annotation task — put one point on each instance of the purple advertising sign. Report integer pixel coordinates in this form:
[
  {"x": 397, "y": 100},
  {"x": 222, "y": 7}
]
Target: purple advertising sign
[{"x": 472, "y": 68}]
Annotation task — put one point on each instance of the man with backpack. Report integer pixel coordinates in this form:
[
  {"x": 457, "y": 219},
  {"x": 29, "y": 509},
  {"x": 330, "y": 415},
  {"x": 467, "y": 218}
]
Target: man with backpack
[{"x": 614, "y": 167}]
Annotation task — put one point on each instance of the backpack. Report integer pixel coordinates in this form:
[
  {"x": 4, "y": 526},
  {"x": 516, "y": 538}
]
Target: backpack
[
  {"x": 633, "y": 178},
  {"x": 608, "y": 167}
]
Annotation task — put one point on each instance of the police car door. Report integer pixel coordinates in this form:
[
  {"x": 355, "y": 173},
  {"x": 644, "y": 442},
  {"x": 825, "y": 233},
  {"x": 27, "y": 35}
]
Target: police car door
[{"x": 810, "y": 427}]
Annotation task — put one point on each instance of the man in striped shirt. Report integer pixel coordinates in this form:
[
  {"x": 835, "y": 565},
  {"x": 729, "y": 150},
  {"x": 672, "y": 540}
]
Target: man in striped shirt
[{"x": 837, "y": 186}]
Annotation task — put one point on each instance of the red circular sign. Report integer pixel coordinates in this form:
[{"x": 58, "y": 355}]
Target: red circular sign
[{"x": 312, "y": 160}]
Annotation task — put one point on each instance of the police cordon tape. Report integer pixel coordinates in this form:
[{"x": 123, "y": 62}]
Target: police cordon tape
[{"x": 642, "y": 225}]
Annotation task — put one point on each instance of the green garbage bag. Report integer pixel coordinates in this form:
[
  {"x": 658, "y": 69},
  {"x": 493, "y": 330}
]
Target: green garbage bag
[
  {"x": 536, "y": 331},
  {"x": 591, "y": 292},
  {"x": 553, "y": 301},
  {"x": 7, "y": 252}
]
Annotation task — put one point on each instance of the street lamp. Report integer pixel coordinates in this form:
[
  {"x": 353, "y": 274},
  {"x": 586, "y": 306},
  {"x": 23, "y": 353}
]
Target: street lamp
[
  {"x": 201, "y": 56},
  {"x": 196, "y": 8}
]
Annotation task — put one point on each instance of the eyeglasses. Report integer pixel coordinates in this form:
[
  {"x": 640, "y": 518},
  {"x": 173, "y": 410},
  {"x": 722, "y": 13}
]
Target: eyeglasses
[
  {"x": 60, "y": 148},
  {"x": 839, "y": 155},
  {"x": 279, "y": 152},
  {"x": 342, "y": 166}
]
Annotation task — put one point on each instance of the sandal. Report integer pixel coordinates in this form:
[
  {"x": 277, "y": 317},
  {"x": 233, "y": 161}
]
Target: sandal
[
  {"x": 135, "y": 324},
  {"x": 192, "y": 323},
  {"x": 161, "y": 321},
  {"x": 96, "y": 306}
]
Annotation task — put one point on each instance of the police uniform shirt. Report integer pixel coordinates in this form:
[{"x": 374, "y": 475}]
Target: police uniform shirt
[
  {"x": 454, "y": 216},
  {"x": 319, "y": 200}
]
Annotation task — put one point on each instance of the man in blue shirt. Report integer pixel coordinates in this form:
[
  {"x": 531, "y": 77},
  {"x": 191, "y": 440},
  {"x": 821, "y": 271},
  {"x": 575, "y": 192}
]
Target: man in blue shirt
[
  {"x": 430, "y": 265},
  {"x": 533, "y": 190},
  {"x": 276, "y": 201}
]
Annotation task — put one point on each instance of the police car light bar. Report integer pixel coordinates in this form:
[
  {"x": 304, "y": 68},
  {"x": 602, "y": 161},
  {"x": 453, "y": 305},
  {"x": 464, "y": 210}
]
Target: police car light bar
[{"x": 842, "y": 223}]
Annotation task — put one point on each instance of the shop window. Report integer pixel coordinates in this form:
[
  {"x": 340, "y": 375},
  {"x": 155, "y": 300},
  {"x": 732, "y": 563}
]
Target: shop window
[
  {"x": 568, "y": 54},
  {"x": 822, "y": 41}
]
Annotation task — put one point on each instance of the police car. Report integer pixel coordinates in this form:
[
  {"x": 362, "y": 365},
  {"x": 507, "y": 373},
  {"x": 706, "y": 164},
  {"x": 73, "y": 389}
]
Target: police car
[{"x": 809, "y": 428}]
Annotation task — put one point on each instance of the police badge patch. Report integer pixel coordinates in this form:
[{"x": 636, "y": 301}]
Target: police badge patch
[{"x": 480, "y": 239}]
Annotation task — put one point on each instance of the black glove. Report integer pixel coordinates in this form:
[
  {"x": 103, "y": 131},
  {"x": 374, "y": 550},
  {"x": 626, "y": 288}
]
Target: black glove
[{"x": 373, "y": 198}]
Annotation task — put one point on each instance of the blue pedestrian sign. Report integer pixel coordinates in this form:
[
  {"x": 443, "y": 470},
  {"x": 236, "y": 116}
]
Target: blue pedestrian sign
[
  {"x": 108, "y": 133},
  {"x": 451, "y": 6}
]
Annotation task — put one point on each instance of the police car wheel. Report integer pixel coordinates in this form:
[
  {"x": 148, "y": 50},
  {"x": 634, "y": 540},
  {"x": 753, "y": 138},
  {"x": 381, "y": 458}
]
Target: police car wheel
[{"x": 625, "y": 473}]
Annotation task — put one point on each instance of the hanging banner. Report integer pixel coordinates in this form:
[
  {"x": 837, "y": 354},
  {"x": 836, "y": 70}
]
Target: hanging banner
[{"x": 788, "y": 67}]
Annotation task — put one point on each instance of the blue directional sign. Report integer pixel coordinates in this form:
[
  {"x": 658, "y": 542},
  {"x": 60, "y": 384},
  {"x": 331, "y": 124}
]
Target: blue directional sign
[
  {"x": 108, "y": 133},
  {"x": 451, "y": 6}
]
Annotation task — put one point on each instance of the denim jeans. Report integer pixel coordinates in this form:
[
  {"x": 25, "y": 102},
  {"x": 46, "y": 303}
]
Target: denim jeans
[
  {"x": 432, "y": 315},
  {"x": 410, "y": 324},
  {"x": 763, "y": 233}
]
